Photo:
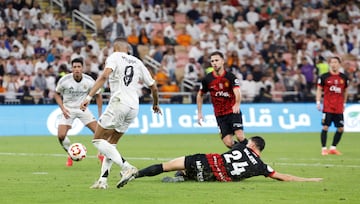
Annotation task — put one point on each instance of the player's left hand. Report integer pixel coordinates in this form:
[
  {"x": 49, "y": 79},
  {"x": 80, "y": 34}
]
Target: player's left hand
[
  {"x": 236, "y": 108},
  {"x": 156, "y": 109}
]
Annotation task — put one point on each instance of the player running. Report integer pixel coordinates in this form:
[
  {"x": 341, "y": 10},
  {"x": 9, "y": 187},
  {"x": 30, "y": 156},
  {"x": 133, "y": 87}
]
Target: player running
[{"x": 71, "y": 90}]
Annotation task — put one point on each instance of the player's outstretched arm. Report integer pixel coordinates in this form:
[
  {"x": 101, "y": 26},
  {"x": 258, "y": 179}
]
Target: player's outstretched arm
[{"x": 288, "y": 177}]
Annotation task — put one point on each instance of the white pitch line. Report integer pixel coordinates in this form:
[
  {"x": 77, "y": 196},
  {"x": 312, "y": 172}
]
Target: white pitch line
[{"x": 167, "y": 159}]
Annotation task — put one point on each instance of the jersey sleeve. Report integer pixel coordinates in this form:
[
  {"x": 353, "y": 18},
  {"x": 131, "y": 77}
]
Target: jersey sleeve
[
  {"x": 59, "y": 88},
  {"x": 111, "y": 62},
  {"x": 235, "y": 82},
  {"x": 268, "y": 171},
  {"x": 320, "y": 81},
  {"x": 146, "y": 76},
  {"x": 203, "y": 86}
]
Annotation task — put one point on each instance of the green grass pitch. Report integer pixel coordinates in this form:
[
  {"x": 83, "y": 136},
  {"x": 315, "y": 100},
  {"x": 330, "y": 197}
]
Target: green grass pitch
[{"x": 33, "y": 170}]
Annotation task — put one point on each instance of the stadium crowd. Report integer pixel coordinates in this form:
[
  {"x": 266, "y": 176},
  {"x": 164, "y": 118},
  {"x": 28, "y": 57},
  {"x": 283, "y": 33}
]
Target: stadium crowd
[{"x": 277, "y": 48}]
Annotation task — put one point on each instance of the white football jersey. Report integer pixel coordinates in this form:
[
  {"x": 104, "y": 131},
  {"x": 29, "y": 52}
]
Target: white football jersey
[
  {"x": 73, "y": 92},
  {"x": 124, "y": 80}
]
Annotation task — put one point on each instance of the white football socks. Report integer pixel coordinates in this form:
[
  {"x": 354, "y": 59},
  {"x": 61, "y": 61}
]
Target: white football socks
[
  {"x": 109, "y": 151},
  {"x": 66, "y": 143}
]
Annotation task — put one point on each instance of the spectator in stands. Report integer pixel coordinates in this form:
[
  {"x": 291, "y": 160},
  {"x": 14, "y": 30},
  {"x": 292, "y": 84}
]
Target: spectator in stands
[
  {"x": 193, "y": 14},
  {"x": 39, "y": 50},
  {"x": 77, "y": 53},
  {"x": 35, "y": 9},
  {"x": 171, "y": 87},
  {"x": 72, "y": 5},
  {"x": 184, "y": 6},
  {"x": 143, "y": 37},
  {"x": 68, "y": 47},
  {"x": 161, "y": 78},
  {"x": 12, "y": 87},
  {"x": 15, "y": 52},
  {"x": 50, "y": 78},
  {"x": 248, "y": 88},
  {"x": 169, "y": 62},
  {"x": 28, "y": 49},
  {"x": 26, "y": 97},
  {"x": 27, "y": 67},
  {"x": 106, "y": 19},
  {"x": 160, "y": 14},
  {"x": 100, "y": 7},
  {"x": 32, "y": 36},
  {"x": 26, "y": 21},
  {"x": 11, "y": 14},
  {"x": 41, "y": 64},
  {"x": 289, "y": 83},
  {"x": 56, "y": 63},
  {"x": 170, "y": 34},
  {"x": 79, "y": 35},
  {"x": 264, "y": 95},
  {"x": 147, "y": 12},
  {"x": 197, "y": 51},
  {"x": 193, "y": 30},
  {"x": 50, "y": 58},
  {"x": 86, "y": 7},
  {"x": 2, "y": 90},
  {"x": 48, "y": 18},
  {"x": 4, "y": 52},
  {"x": 241, "y": 24},
  {"x": 127, "y": 26},
  {"x": 193, "y": 71},
  {"x": 158, "y": 39},
  {"x": 2, "y": 68},
  {"x": 114, "y": 29},
  {"x": 322, "y": 66},
  {"x": 183, "y": 38},
  {"x": 40, "y": 81},
  {"x": 308, "y": 70},
  {"x": 79, "y": 41},
  {"x": 94, "y": 43},
  {"x": 10, "y": 28},
  {"x": 12, "y": 66},
  {"x": 124, "y": 5},
  {"x": 46, "y": 40},
  {"x": 39, "y": 21}
]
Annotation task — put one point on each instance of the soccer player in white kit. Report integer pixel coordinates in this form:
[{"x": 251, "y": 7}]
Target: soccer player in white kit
[
  {"x": 71, "y": 90},
  {"x": 123, "y": 72}
]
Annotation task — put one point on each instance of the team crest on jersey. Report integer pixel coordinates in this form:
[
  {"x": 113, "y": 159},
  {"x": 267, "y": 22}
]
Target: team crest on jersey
[
  {"x": 226, "y": 84},
  {"x": 341, "y": 81},
  {"x": 85, "y": 87}
]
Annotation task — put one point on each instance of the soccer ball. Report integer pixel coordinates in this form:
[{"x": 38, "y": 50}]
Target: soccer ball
[{"x": 77, "y": 151}]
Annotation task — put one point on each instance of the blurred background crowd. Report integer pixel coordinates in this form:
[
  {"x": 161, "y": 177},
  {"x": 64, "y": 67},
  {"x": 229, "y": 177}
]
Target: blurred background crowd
[{"x": 277, "y": 48}]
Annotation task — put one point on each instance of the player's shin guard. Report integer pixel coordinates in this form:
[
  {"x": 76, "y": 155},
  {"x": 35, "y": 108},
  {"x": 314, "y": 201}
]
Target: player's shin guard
[
  {"x": 323, "y": 138},
  {"x": 152, "y": 170}
]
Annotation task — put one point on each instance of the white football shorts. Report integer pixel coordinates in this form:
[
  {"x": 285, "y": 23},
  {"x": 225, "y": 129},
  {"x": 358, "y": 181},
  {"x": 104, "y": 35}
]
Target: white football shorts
[
  {"x": 117, "y": 116},
  {"x": 85, "y": 117}
]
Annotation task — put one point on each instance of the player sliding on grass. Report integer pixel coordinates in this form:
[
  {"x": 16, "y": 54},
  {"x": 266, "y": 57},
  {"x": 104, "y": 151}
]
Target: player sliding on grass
[{"x": 239, "y": 163}]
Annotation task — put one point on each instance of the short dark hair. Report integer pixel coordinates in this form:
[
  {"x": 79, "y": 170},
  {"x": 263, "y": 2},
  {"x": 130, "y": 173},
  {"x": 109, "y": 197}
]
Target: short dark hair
[
  {"x": 217, "y": 53},
  {"x": 77, "y": 60},
  {"x": 335, "y": 57},
  {"x": 259, "y": 142}
]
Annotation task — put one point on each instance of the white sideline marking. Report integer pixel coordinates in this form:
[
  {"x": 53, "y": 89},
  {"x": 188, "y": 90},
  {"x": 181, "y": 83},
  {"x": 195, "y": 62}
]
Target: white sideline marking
[{"x": 167, "y": 159}]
